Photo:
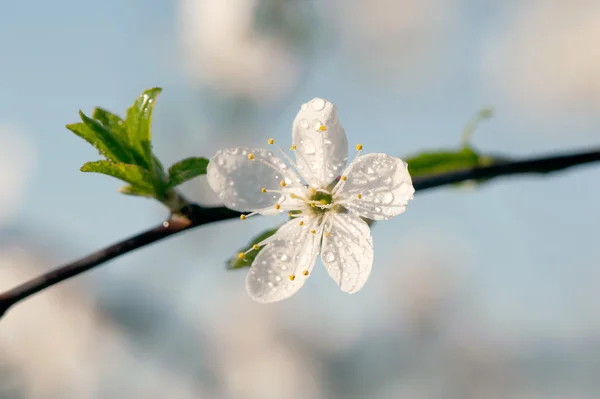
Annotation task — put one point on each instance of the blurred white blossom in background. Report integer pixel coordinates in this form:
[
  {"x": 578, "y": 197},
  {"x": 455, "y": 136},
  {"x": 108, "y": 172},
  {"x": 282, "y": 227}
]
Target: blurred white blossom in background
[
  {"x": 59, "y": 345},
  {"x": 544, "y": 55},
  {"x": 17, "y": 163},
  {"x": 224, "y": 49},
  {"x": 395, "y": 38}
]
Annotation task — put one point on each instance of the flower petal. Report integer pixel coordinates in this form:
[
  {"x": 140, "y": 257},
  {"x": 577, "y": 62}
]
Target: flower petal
[
  {"x": 239, "y": 180},
  {"x": 347, "y": 251},
  {"x": 283, "y": 265},
  {"x": 321, "y": 143},
  {"x": 378, "y": 187}
]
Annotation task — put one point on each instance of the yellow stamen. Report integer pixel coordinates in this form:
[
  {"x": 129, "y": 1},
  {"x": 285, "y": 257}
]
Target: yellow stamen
[
  {"x": 313, "y": 190},
  {"x": 292, "y": 277},
  {"x": 282, "y": 183},
  {"x": 327, "y": 234},
  {"x": 301, "y": 223},
  {"x": 290, "y": 214},
  {"x": 251, "y": 156},
  {"x": 241, "y": 255},
  {"x": 322, "y": 128},
  {"x": 243, "y": 217},
  {"x": 256, "y": 247},
  {"x": 271, "y": 141},
  {"x": 277, "y": 206},
  {"x": 314, "y": 231},
  {"x": 344, "y": 178},
  {"x": 305, "y": 272},
  {"x": 263, "y": 190},
  {"x": 359, "y": 195},
  {"x": 292, "y": 148},
  {"x": 359, "y": 147},
  {"x": 313, "y": 205}
]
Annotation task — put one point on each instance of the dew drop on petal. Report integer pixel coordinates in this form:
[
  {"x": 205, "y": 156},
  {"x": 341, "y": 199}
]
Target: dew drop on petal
[
  {"x": 387, "y": 198},
  {"x": 318, "y": 104}
]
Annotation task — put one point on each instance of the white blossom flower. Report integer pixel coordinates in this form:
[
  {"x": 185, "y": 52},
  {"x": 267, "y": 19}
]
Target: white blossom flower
[{"x": 324, "y": 198}]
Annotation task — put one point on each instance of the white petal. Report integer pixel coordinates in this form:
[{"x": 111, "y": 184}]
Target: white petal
[
  {"x": 292, "y": 251},
  {"x": 347, "y": 251},
  {"x": 384, "y": 185},
  {"x": 238, "y": 180},
  {"x": 321, "y": 155}
]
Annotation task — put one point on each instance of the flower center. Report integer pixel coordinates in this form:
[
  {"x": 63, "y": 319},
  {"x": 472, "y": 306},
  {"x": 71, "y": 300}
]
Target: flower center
[{"x": 321, "y": 198}]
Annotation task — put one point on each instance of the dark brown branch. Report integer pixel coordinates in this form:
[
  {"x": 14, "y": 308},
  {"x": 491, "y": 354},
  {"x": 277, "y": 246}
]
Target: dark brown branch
[{"x": 195, "y": 215}]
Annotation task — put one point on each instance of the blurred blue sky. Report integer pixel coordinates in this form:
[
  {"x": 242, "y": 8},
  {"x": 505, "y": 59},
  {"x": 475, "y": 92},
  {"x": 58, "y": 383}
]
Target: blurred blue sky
[{"x": 524, "y": 249}]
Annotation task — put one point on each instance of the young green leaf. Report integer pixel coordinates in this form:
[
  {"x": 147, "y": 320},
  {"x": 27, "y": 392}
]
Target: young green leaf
[
  {"x": 112, "y": 122},
  {"x": 140, "y": 191},
  {"x": 187, "y": 169},
  {"x": 83, "y": 131},
  {"x": 132, "y": 174},
  {"x": 237, "y": 262},
  {"x": 117, "y": 147},
  {"x": 139, "y": 120},
  {"x": 429, "y": 163}
]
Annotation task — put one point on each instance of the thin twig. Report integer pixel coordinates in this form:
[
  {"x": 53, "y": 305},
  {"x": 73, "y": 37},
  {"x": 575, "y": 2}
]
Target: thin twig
[{"x": 195, "y": 215}]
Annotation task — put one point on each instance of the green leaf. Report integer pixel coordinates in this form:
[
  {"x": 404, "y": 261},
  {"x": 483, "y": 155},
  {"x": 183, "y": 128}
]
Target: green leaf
[
  {"x": 111, "y": 122},
  {"x": 138, "y": 191},
  {"x": 237, "y": 263},
  {"x": 83, "y": 131},
  {"x": 187, "y": 169},
  {"x": 139, "y": 120},
  {"x": 132, "y": 174},
  {"x": 429, "y": 163},
  {"x": 117, "y": 149}
]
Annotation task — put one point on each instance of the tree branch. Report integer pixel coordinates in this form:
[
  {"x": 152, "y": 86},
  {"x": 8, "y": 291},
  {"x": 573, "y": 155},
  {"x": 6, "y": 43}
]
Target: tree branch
[{"x": 194, "y": 215}]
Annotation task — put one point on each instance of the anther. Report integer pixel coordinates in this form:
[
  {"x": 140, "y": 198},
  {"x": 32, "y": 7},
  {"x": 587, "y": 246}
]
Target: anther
[
  {"x": 241, "y": 255},
  {"x": 359, "y": 195},
  {"x": 301, "y": 223},
  {"x": 313, "y": 190},
  {"x": 277, "y": 206},
  {"x": 292, "y": 277},
  {"x": 243, "y": 217},
  {"x": 322, "y": 128},
  {"x": 282, "y": 183},
  {"x": 313, "y": 205},
  {"x": 344, "y": 178},
  {"x": 327, "y": 234},
  {"x": 359, "y": 147},
  {"x": 292, "y": 148},
  {"x": 313, "y": 231},
  {"x": 256, "y": 247},
  {"x": 271, "y": 141},
  {"x": 263, "y": 190},
  {"x": 305, "y": 272},
  {"x": 251, "y": 156},
  {"x": 290, "y": 214}
]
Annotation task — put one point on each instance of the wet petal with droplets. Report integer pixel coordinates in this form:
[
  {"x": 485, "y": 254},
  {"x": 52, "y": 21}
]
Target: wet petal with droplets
[
  {"x": 378, "y": 187},
  {"x": 238, "y": 180},
  {"x": 321, "y": 143},
  {"x": 283, "y": 265},
  {"x": 347, "y": 251}
]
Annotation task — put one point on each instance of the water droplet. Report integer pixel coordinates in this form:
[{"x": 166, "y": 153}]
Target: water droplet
[
  {"x": 303, "y": 123},
  {"x": 284, "y": 257},
  {"x": 318, "y": 104},
  {"x": 329, "y": 256},
  {"x": 220, "y": 161},
  {"x": 270, "y": 284},
  {"x": 277, "y": 278},
  {"x": 387, "y": 198},
  {"x": 308, "y": 147},
  {"x": 303, "y": 107}
]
